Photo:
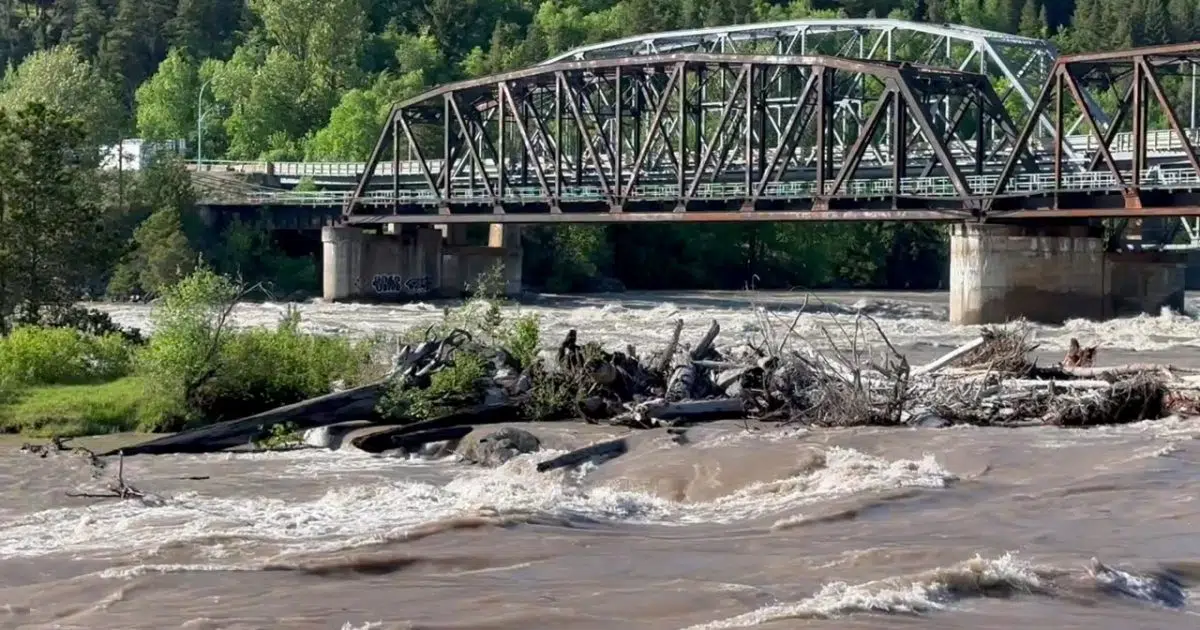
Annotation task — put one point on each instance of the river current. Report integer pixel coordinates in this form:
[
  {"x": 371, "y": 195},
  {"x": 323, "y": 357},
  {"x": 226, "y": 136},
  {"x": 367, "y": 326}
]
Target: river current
[{"x": 767, "y": 528}]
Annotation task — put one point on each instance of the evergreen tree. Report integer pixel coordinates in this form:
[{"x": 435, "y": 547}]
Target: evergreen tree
[
  {"x": 207, "y": 28},
  {"x": 1156, "y": 27},
  {"x": 1087, "y": 31},
  {"x": 88, "y": 28},
  {"x": 1033, "y": 20},
  {"x": 50, "y": 240},
  {"x": 135, "y": 43},
  {"x": 1181, "y": 14},
  {"x": 159, "y": 253}
]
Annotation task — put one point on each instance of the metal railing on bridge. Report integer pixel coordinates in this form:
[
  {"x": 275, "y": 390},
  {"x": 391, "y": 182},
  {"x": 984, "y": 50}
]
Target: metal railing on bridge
[
  {"x": 931, "y": 187},
  {"x": 1161, "y": 143}
]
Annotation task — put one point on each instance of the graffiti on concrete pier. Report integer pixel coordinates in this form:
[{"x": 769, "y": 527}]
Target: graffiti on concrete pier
[{"x": 394, "y": 285}]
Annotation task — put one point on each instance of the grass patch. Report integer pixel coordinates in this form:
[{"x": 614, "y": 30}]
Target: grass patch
[{"x": 74, "y": 410}]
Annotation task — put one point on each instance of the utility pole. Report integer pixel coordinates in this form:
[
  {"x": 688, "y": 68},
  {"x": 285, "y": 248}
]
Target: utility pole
[{"x": 199, "y": 121}]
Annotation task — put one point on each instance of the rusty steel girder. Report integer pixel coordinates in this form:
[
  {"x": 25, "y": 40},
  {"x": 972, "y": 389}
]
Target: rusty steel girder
[
  {"x": 688, "y": 133},
  {"x": 1138, "y": 90}
]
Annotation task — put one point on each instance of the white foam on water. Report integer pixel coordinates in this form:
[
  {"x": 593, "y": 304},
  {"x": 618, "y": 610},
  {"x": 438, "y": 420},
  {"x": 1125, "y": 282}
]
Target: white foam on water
[
  {"x": 931, "y": 591},
  {"x": 355, "y": 515},
  {"x": 370, "y": 625},
  {"x": 1160, "y": 589},
  {"x": 138, "y": 570},
  {"x": 620, "y": 321}
]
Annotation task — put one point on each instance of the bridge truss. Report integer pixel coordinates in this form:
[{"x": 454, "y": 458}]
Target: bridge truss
[
  {"x": 691, "y": 136},
  {"x": 1140, "y": 89},
  {"x": 1017, "y": 66},
  {"x": 802, "y": 120}
]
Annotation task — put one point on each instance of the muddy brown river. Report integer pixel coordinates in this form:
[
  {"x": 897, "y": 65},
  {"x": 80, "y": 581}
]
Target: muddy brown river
[{"x": 767, "y": 528}]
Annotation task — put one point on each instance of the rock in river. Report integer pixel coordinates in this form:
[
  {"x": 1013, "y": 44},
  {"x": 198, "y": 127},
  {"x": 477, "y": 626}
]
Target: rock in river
[{"x": 493, "y": 448}]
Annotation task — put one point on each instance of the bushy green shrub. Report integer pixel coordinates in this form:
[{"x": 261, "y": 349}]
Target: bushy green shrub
[
  {"x": 262, "y": 369},
  {"x": 32, "y": 355},
  {"x": 184, "y": 348},
  {"x": 523, "y": 338},
  {"x": 199, "y": 370},
  {"x": 453, "y": 387},
  {"x": 458, "y": 384},
  {"x": 86, "y": 320}
]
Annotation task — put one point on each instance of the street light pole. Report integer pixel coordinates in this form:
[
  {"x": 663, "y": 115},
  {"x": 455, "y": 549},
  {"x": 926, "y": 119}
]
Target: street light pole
[{"x": 199, "y": 118}]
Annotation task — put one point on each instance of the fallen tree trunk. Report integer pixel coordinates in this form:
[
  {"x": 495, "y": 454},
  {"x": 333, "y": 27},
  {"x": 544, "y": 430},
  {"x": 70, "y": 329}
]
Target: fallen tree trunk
[
  {"x": 396, "y": 438},
  {"x": 603, "y": 451},
  {"x": 659, "y": 412},
  {"x": 471, "y": 416},
  {"x": 949, "y": 357},
  {"x": 352, "y": 404}
]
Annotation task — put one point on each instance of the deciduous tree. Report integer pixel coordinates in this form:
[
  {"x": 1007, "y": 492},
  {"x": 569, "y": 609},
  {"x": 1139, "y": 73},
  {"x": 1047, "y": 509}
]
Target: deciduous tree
[
  {"x": 166, "y": 103},
  {"x": 66, "y": 82}
]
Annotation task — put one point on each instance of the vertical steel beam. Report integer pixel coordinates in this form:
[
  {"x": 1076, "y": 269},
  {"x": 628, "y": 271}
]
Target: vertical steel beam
[
  {"x": 722, "y": 123},
  {"x": 448, "y": 157},
  {"x": 587, "y": 142},
  {"x": 617, "y": 135},
  {"x": 747, "y": 131},
  {"x": 681, "y": 180},
  {"x": 822, "y": 128},
  {"x": 521, "y": 120},
  {"x": 522, "y": 130},
  {"x": 558, "y": 132},
  {"x": 764, "y": 87},
  {"x": 1139, "y": 123},
  {"x": 981, "y": 130},
  {"x": 476, "y": 160},
  {"x": 502, "y": 131},
  {"x": 1059, "y": 130},
  {"x": 395, "y": 166},
  {"x": 899, "y": 149},
  {"x": 793, "y": 132}
]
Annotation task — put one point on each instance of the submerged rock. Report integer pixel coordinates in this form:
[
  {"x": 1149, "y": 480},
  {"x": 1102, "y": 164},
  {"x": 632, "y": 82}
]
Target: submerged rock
[{"x": 493, "y": 448}]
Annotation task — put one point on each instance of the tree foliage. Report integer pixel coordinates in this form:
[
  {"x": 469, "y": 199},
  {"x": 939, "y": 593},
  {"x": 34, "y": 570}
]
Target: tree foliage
[
  {"x": 315, "y": 79},
  {"x": 51, "y": 238},
  {"x": 63, "y": 80},
  {"x": 166, "y": 102}
]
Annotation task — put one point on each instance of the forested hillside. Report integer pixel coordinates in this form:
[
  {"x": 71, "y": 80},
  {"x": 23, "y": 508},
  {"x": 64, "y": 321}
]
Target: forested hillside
[{"x": 313, "y": 79}]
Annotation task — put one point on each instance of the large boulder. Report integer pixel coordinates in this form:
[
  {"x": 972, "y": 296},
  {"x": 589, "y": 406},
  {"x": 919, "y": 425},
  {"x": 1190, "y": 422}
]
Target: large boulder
[{"x": 493, "y": 448}]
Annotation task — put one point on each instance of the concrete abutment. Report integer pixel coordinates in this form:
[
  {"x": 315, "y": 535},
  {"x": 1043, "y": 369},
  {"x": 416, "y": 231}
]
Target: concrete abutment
[
  {"x": 410, "y": 262},
  {"x": 1050, "y": 274}
]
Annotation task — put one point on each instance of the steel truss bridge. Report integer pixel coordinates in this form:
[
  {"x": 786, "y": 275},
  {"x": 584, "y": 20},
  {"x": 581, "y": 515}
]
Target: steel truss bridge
[{"x": 801, "y": 120}]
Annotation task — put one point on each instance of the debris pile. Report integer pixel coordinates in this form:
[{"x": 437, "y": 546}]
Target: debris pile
[{"x": 845, "y": 374}]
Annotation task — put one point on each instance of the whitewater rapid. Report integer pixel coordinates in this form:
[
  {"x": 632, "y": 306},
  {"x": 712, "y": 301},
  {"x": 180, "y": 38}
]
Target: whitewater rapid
[{"x": 767, "y": 528}]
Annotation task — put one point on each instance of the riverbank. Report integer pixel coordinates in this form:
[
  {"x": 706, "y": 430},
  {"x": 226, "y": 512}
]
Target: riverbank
[
  {"x": 75, "y": 410},
  {"x": 913, "y": 322}
]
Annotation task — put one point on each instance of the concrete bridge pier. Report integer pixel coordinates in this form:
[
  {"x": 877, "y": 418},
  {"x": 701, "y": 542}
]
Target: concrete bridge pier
[
  {"x": 411, "y": 262},
  {"x": 508, "y": 239},
  {"x": 1050, "y": 274}
]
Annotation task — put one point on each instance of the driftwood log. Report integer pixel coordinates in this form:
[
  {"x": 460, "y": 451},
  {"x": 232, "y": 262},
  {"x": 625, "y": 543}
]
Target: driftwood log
[
  {"x": 598, "y": 453},
  {"x": 352, "y": 404},
  {"x": 452, "y": 426}
]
